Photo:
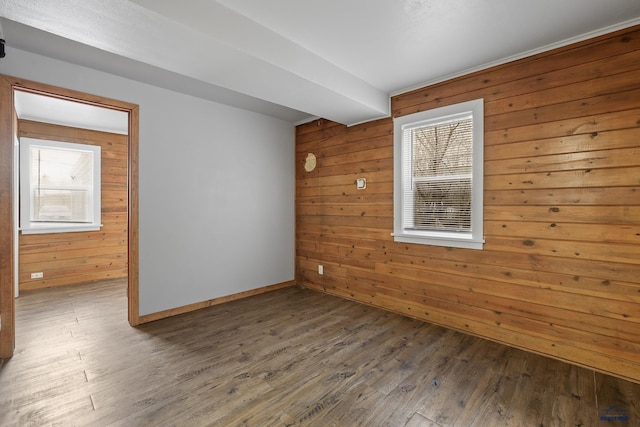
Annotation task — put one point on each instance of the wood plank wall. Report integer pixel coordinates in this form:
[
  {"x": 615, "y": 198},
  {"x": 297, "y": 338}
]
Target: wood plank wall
[
  {"x": 560, "y": 271},
  {"x": 72, "y": 258}
]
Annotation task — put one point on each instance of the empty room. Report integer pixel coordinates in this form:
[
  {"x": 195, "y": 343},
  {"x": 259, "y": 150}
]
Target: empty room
[{"x": 294, "y": 213}]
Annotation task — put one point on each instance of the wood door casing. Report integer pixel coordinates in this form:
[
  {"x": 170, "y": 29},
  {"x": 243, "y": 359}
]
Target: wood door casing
[{"x": 7, "y": 130}]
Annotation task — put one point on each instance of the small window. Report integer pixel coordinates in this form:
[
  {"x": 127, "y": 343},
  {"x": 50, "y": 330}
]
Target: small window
[
  {"x": 59, "y": 186},
  {"x": 438, "y": 176}
]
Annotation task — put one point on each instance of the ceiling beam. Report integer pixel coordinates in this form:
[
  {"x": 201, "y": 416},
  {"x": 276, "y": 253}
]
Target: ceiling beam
[{"x": 210, "y": 44}]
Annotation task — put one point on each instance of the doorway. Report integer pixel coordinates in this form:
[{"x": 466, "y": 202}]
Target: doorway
[{"x": 8, "y": 249}]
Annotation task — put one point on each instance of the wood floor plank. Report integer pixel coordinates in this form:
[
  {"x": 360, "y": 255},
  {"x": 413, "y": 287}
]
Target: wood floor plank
[
  {"x": 418, "y": 420},
  {"x": 291, "y": 357},
  {"x": 618, "y": 401}
]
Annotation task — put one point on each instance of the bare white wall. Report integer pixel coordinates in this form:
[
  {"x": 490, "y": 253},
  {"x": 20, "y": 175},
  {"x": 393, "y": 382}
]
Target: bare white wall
[{"x": 216, "y": 187}]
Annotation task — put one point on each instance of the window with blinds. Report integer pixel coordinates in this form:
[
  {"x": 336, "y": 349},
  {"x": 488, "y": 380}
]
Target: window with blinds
[
  {"x": 59, "y": 186},
  {"x": 438, "y": 176}
]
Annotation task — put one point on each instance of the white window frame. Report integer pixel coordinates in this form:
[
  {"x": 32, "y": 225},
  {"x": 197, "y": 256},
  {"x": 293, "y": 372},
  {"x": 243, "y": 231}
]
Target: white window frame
[
  {"x": 403, "y": 195},
  {"x": 29, "y": 227}
]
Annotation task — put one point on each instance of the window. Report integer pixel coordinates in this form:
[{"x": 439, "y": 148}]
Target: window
[
  {"x": 438, "y": 173},
  {"x": 59, "y": 186}
]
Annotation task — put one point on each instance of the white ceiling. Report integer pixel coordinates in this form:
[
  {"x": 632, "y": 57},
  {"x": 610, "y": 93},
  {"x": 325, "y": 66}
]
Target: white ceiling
[
  {"x": 40, "y": 108},
  {"x": 297, "y": 59}
]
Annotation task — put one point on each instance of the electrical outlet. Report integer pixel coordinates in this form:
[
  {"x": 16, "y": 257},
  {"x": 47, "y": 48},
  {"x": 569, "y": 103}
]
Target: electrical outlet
[
  {"x": 38, "y": 275},
  {"x": 320, "y": 269}
]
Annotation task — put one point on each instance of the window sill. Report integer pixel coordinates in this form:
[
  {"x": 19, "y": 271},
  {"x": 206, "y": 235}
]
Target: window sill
[
  {"x": 445, "y": 239},
  {"x": 60, "y": 228}
]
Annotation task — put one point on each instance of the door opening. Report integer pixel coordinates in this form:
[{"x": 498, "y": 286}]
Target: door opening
[{"x": 13, "y": 94}]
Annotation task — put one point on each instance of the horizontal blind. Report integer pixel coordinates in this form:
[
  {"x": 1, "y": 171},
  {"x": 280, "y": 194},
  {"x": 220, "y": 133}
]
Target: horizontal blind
[{"x": 438, "y": 159}]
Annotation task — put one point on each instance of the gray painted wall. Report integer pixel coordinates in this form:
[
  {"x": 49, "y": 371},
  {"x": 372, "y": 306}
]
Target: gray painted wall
[{"x": 216, "y": 187}]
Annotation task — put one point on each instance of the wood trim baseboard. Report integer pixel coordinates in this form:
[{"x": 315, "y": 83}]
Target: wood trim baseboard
[{"x": 204, "y": 304}]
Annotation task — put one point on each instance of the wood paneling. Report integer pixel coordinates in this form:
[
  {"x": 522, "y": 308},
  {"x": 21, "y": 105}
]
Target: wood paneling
[
  {"x": 560, "y": 271},
  {"x": 71, "y": 258}
]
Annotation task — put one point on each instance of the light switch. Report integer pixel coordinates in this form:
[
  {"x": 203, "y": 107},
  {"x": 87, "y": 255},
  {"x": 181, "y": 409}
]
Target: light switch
[{"x": 361, "y": 183}]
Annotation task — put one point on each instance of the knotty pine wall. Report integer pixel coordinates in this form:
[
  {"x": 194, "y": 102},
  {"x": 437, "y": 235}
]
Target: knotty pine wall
[
  {"x": 560, "y": 271},
  {"x": 72, "y": 258}
]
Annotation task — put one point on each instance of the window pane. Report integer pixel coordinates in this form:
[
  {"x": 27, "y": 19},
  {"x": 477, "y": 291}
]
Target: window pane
[
  {"x": 443, "y": 149},
  {"x": 61, "y": 185},
  {"x": 442, "y": 205},
  {"x": 438, "y": 176}
]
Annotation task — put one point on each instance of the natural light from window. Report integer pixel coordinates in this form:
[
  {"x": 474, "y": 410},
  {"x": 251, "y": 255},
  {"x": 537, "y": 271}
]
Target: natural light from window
[
  {"x": 438, "y": 176},
  {"x": 59, "y": 186}
]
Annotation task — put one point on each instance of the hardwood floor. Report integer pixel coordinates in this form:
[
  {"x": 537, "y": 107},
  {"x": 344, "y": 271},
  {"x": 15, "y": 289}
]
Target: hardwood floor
[{"x": 292, "y": 357}]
